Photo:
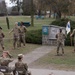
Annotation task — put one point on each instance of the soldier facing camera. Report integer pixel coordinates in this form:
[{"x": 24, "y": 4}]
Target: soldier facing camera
[{"x": 60, "y": 39}]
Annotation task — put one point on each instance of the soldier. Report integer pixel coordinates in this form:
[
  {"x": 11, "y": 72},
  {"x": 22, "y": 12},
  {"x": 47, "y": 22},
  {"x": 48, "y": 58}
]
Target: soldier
[
  {"x": 4, "y": 62},
  {"x": 60, "y": 39},
  {"x": 15, "y": 31},
  {"x": 5, "y": 58},
  {"x": 73, "y": 33},
  {"x": 1, "y": 38},
  {"x": 23, "y": 30},
  {"x": 20, "y": 66}
]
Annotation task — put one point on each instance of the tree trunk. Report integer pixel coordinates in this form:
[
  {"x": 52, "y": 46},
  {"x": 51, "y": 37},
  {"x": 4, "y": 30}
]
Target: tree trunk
[
  {"x": 32, "y": 14},
  {"x": 39, "y": 12},
  {"x": 58, "y": 15},
  {"x": 18, "y": 6},
  {"x": 50, "y": 14}
]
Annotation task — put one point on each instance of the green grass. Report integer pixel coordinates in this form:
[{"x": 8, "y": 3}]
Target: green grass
[
  {"x": 12, "y": 19},
  {"x": 65, "y": 62},
  {"x": 24, "y": 49}
]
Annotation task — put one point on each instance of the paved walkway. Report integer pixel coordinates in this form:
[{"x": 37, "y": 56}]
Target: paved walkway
[
  {"x": 50, "y": 72},
  {"x": 38, "y": 53}
]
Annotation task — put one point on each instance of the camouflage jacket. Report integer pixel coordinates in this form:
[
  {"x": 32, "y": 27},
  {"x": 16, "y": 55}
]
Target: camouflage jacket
[{"x": 60, "y": 37}]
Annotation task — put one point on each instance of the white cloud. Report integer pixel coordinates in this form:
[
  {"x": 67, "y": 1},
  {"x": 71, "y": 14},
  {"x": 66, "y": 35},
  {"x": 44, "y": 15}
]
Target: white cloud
[{"x": 9, "y": 4}]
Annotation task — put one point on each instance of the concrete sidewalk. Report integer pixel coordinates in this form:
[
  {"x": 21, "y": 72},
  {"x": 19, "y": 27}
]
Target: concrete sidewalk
[
  {"x": 50, "y": 72},
  {"x": 36, "y": 54}
]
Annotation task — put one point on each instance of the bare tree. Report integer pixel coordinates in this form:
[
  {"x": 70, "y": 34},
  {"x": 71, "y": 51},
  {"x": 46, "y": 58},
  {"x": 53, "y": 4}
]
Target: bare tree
[{"x": 3, "y": 9}]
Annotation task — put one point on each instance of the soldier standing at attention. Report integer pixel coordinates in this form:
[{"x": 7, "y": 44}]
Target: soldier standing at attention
[
  {"x": 1, "y": 38},
  {"x": 73, "y": 33},
  {"x": 60, "y": 41},
  {"x": 23, "y": 30},
  {"x": 15, "y": 31}
]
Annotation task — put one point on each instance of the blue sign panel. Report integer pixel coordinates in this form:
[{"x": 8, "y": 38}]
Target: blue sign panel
[{"x": 45, "y": 30}]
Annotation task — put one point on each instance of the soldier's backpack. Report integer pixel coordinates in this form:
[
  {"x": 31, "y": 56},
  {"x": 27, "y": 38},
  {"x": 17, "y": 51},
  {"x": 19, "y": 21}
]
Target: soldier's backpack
[{"x": 20, "y": 69}]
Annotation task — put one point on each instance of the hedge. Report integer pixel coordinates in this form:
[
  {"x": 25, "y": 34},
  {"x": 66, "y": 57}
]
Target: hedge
[{"x": 34, "y": 36}]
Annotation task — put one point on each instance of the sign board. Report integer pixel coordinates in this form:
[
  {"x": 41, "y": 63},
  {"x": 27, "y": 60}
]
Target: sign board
[
  {"x": 53, "y": 30},
  {"x": 45, "y": 30}
]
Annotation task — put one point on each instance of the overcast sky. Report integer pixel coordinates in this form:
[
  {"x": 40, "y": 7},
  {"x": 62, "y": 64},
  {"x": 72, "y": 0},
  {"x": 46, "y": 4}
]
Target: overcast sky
[{"x": 9, "y": 4}]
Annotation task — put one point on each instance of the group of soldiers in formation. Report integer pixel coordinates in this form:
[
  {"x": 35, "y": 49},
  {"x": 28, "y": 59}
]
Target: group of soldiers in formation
[
  {"x": 18, "y": 35},
  {"x": 60, "y": 40}
]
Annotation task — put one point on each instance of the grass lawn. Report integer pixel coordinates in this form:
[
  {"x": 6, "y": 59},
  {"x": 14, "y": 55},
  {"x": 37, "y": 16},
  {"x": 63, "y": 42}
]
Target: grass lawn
[
  {"x": 51, "y": 61},
  {"x": 24, "y": 49}
]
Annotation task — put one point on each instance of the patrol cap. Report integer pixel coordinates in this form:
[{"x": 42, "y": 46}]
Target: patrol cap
[{"x": 20, "y": 55}]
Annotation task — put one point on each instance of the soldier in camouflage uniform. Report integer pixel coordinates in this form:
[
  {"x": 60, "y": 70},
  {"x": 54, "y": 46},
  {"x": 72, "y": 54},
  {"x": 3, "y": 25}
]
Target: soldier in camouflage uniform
[
  {"x": 15, "y": 31},
  {"x": 60, "y": 41},
  {"x": 20, "y": 66},
  {"x": 73, "y": 33},
  {"x": 1, "y": 38},
  {"x": 23, "y": 30},
  {"x": 5, "y": 58},
  {"x": 4, "y": 62}
]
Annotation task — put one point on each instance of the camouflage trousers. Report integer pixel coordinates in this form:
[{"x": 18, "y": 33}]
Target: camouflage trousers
[
  {"x": 21, "y": 40},
  {"x": 15, "y": 41},
  {"x": 60, "y": 45},
  {"x": 2, "y": 43}
]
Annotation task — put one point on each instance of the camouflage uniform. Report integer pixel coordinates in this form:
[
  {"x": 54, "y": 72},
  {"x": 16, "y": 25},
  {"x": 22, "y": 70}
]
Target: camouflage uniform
[
  {"x": 60, "y": 42},
  {"x": 22, "y": 35},
  {"x": 21, "y": 67},
  {"x": 4, "y": 62},
  {"x": 15, "y": 31},
  {"x": 73, "y": 33},
  {"x": 1, "y": 39}
]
